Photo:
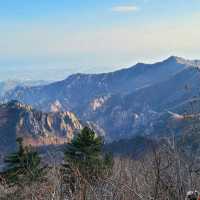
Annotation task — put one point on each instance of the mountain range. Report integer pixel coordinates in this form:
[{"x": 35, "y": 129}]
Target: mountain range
[{"x": 121, "y": 104}]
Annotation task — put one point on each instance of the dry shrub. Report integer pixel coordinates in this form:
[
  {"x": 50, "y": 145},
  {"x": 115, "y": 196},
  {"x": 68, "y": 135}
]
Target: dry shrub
[{"x": 162, "y": 174}]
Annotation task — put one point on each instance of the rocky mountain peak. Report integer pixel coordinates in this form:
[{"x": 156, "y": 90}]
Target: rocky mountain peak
[
  {"x": 183, "y": 61},
  {"x": 36, "y": 127}
]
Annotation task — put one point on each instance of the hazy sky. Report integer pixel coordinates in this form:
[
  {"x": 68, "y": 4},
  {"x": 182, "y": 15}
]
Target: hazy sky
[{"x": 50, "y": 39}]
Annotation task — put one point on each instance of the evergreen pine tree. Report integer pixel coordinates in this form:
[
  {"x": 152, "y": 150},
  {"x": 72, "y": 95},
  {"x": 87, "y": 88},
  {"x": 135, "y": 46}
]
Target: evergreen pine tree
[
  {"x": 85, "y": 154},
  {"x": 24, "y": 165}
]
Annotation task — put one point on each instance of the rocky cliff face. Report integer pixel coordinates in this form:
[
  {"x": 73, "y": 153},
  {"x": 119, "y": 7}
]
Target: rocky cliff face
[{"x": 36, "y": 127}]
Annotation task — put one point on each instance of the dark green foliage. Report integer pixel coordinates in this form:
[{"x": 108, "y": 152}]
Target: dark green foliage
[
  {"x": 85, "y": 154},
  {"x": 134, "y": 147},
  {"x": 108, "y": 160},
  {"x": 24, "y": 165}
]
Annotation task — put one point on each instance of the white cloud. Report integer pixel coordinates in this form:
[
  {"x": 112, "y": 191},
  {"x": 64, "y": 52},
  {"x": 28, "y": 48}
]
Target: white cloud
[{"x": 125, "y": 8}]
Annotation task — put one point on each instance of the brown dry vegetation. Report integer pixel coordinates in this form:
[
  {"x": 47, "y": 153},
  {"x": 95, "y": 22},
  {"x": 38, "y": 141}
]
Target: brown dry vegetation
[{"x": 165, "y": 173}]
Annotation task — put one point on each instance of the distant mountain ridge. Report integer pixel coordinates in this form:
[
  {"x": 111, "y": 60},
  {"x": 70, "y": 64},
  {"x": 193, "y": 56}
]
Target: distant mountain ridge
[
  {"x": 121, "y": 103},
  {"x": 6, "y": 86}
]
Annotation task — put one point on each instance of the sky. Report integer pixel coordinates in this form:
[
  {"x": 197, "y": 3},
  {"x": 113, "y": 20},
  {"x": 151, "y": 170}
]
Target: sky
[{"x": 48, "y": 39}]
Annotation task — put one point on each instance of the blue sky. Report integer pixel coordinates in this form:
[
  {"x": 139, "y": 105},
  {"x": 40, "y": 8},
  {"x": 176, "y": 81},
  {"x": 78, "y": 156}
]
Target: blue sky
[{"x": 48, "y": 39}]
